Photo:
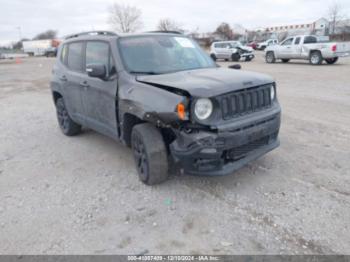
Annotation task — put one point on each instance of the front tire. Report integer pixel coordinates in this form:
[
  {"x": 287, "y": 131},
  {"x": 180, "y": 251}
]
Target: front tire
[
  {"x": 150, "y": 154},
  {"x": 67, "y": 125},
  {"x": 316, "y": 58},
  {"x": 332, "y": 61},
  {"x": 213, "y": 56},
  {"x": 235, "y": 57},
  {"x": 270, "y": 58}
]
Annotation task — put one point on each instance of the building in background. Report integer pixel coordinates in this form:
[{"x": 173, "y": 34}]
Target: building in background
[{"x": 319, "y": 27}]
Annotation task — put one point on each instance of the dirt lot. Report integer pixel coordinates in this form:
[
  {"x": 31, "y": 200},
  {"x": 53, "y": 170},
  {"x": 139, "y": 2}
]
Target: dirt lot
[{"x": 81, "y": 195}]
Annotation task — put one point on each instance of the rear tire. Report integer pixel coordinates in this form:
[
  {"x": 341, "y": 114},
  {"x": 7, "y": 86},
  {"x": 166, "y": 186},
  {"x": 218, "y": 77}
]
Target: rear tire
[
  {"x": 316, "y": 58},
  {"x": 285, "y": 60},
  {"x": 235, "y": 57},
  {"x": 150, "y": 154},
  {"x": 331, "y": 61},
  {"x": 67, "y": 125},
  {"x": 270, "y": 57},
  {"x": 213, "y": 56}
]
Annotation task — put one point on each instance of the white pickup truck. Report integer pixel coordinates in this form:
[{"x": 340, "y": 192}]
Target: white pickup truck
[{"x": 307, "y": 47}]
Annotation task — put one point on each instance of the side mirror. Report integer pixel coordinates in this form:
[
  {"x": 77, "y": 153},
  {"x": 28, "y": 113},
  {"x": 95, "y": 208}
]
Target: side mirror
[
  {"x": 96, "y": 70},
  {"x": 236, "y": 66}
]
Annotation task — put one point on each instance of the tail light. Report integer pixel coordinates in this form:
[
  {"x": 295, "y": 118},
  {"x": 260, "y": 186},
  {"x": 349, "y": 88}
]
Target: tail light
[{"x": 334, "y": 48}]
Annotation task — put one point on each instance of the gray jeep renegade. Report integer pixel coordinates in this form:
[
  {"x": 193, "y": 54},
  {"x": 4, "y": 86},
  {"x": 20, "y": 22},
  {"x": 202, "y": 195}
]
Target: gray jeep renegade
[{"x": 161, "y": 94}]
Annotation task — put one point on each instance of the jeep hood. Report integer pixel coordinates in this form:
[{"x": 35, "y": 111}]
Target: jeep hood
[
  {"x": 247, "y": 48},
  {"x": 206, "y": 82}
]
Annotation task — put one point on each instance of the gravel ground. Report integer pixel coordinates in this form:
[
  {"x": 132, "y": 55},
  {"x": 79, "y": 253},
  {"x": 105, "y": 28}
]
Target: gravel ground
[{"x": 81, "y": 195}]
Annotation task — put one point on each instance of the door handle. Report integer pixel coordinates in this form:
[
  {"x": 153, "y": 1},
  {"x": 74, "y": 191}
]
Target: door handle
[
  {"x": 63, "y": 78},
  {"x": 84, "y": 84}
]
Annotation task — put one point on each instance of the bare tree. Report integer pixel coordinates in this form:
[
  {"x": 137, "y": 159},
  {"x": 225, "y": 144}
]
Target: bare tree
[
  {"x": 19, "y": 44},
  {"x": 167, "y": 24},
  {"x": 48, "y": 34},
  {"x": 124, "y": 18},
  {"x": 225, "y": 31},
  {"x": 335, "y": 15}
]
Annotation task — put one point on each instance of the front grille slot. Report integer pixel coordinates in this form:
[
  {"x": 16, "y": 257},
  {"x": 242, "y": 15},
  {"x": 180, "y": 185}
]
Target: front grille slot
[
  {"x": 245, "y": 101},
  {"x": 241, "y": 151}
]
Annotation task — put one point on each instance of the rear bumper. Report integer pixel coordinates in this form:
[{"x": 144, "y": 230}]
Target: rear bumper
[
  {"x": 342, "y": 54},
  {"x": 222, "y": 153},
  {"x": 329, "y": 55}
]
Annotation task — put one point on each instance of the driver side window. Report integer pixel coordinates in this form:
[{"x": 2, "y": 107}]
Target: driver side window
[
  {"x": 289, "y": 41},
  {"x": 98, "y": 52}
]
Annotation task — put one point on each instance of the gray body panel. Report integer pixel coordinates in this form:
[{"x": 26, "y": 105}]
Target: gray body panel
[
  {"x": 209, "y": 82},
  {"x": 110, "y": 105}
]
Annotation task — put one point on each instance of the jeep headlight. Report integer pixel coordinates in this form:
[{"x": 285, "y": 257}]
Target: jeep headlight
[
  {"x": 272, "y": 93},
  {"x": 203, "y": 108}
]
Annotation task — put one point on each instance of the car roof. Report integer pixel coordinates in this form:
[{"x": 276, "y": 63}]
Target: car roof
[
  {"x": 107, "y": 35},
  {"x": 223, "y": 42}
]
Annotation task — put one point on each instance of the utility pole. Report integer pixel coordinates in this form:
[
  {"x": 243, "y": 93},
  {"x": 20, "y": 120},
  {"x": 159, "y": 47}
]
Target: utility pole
[{"x": 19, "y": 32}]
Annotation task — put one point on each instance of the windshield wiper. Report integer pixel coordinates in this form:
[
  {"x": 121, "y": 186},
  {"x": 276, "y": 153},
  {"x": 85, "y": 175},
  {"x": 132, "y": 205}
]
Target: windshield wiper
[{"x": 145, "y": 72}]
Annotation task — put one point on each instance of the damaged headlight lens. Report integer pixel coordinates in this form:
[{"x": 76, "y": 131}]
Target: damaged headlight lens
[{"x": 203, "y": 108}]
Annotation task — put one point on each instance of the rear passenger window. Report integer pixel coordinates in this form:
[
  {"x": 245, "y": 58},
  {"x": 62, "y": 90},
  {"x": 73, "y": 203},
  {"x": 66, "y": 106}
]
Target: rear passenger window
[
  {"x": 75, "y": 56},
  {"x": 64, "y": 54},
  {"x": 310, "y": 40},
  {"x": 297, "y": 41}
]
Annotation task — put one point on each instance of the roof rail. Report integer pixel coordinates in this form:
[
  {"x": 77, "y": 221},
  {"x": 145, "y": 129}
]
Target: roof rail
[
  {"x": 105, "y": 33},
  {"x": 166, "y": 32}
]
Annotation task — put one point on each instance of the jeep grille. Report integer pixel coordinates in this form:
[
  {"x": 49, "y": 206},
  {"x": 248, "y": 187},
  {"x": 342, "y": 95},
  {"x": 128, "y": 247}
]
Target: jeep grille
[{"x": 245, "y": 101}]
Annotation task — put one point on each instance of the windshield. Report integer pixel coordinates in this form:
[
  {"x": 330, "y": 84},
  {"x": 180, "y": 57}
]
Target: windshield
[
  {"x": 235, "y": 44},
  {"x": 162, "y": 54}
]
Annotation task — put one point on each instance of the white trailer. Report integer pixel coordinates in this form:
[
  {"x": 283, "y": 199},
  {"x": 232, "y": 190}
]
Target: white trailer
[{"x": 39, "y": 47}]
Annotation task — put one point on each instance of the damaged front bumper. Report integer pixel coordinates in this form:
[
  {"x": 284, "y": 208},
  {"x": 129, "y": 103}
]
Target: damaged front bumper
[
  {"x": 248, "y": 55},
  {"x": 228, "y": 149}
]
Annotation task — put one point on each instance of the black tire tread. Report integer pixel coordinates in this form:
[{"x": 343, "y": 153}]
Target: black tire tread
[
  {"x": 274, "y": 58},
  {"x": 156, "y": 152},
  {"x": 74, "y": 128},
  {"x": 320, "y": 55},
  {"x": 331, "y": 61}
]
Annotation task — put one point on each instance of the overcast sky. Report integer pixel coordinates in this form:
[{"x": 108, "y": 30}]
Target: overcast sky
[{"x": 71, "y": 16}]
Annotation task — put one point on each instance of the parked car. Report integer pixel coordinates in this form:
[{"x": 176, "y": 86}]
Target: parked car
[
  {"x": 307, "y": 47},
  {"x": 269, "y": 42},
  {"x": 51, "y": 52},
  {"x": 231, "y": 50},
  {"x": 161, "y": 94},
  {"x": 253, "y": 45},
  {"x": 12, "y": 55}
]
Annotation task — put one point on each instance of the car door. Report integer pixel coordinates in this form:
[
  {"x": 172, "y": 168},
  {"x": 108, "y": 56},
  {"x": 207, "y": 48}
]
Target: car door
[
  {"x": 70, "y": 79},
  {"x": 99, "y": 97},
  {"x": 285, "y": 49},
  {"x": 219, "y": 48},
  {"x": 227, "y": 50},
  {"x": 296, "y": 48}
]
